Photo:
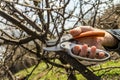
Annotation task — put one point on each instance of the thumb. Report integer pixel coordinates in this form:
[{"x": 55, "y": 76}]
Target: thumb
[{"x": 76, "y": 31}]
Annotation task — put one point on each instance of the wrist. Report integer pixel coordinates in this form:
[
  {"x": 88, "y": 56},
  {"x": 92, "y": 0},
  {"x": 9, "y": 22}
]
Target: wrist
[{"x": 109, "y": 40}]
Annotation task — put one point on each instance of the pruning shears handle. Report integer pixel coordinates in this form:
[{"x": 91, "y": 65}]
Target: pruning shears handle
[
  {"x": 68, "y": 46},
  {"x": 90, "y": 34}
]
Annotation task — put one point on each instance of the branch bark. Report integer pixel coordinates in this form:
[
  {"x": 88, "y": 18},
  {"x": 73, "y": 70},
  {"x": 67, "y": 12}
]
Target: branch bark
[
  {"x": 89, "y": 75},
  {"x": 18, "y": 23}
]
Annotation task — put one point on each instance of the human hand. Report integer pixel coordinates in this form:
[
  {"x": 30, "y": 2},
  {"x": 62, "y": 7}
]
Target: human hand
[{"x": 92, "y": 42}]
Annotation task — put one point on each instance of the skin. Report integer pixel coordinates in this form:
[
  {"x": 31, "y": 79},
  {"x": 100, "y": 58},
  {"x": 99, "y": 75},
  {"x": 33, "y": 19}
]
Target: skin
[{"x": 92, "y": 42}]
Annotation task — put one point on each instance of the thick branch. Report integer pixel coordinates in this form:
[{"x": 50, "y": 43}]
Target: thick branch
[
  {"x": 18, "y": 23},
  {"x": 16, "y": 42},
  {"x": 79, "y": 67}
]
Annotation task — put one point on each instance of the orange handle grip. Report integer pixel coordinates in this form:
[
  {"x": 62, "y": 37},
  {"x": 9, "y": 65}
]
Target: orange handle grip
[{"x": 90, "y": 34}]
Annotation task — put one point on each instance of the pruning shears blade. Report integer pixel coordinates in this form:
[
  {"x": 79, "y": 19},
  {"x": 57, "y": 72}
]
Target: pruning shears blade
[
  {"x": 54, "y": 48},
  {"x": 52, "y": 42}
]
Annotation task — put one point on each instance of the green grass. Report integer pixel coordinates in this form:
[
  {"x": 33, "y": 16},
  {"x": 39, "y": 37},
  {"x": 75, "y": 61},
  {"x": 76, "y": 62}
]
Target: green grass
[
  {"x": 109, "y": 70},
  {"x": 44, "y": 73}
]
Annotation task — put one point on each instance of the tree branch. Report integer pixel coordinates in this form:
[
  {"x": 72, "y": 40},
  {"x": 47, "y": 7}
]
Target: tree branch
[
  {"x": 28, "y": 20},
  {"x": 78, "y": 66},
  {"x": 18, "y": 23}
]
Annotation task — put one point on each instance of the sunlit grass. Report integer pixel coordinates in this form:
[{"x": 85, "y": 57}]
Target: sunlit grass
[{"x": 108, "y": 70}]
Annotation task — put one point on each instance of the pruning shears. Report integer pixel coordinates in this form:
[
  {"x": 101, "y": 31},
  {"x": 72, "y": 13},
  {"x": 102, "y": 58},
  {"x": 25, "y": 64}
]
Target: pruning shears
[{"x": 65, "y": 44}]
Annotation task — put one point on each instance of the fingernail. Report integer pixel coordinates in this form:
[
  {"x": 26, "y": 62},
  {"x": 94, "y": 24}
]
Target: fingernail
[
  {"x": 76, "y": 50},
  {"x": 101, "y": 55}
]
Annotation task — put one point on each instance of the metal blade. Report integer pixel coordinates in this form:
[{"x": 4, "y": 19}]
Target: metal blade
[
  {"x": 51, "y": 42},
  {"x": 54, "y": 48}
]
